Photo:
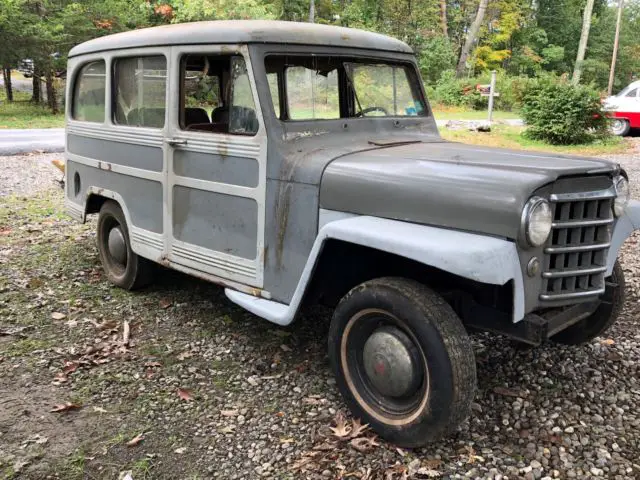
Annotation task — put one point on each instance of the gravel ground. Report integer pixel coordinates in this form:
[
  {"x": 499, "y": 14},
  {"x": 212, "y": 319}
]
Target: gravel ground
[{"x": 202, "y": 389}]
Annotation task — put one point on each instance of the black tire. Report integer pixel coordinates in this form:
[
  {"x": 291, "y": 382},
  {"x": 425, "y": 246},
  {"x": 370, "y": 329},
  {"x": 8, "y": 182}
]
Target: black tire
[
  {"x": 136, "y": 271},
  {"x": 447, "y": 370},
  {"x": 620, "y": 127},
  {"x": 605, "y": 315}
]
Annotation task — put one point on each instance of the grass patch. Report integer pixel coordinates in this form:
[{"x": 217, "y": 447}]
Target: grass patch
[
  {"x": 442, "y": 112},
  {"x": 504, "y": 136},
  {"x": 26, "y": 346},
  {"x": 21, "y": 113}
]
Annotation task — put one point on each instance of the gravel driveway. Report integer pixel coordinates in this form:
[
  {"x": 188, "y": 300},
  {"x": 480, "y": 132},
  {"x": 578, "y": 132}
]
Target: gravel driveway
[{"x": 176, "y": 382}]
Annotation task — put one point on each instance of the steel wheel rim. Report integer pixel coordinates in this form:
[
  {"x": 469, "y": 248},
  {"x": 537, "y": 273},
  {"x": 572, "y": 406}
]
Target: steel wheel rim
[
  {"x": 618, "y": 126},
  {"x": 116, "y": 256},
  {"x": 406, "y": 405}
]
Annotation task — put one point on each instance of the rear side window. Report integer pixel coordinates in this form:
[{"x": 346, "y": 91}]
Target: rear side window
[
  {"x": 633, "y": 93},
  {"x": 89, "y": 93},
  {"x": 140, "y": 91}
]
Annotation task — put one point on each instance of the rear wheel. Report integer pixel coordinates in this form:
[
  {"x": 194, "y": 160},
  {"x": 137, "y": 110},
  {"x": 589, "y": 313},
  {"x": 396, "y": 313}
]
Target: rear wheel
[
  {"x": 620, "y": 126},
  {"x": 605, "y": 315},
  {"x": 403, "y": 360},
  {"x": 123, "y": 267}
]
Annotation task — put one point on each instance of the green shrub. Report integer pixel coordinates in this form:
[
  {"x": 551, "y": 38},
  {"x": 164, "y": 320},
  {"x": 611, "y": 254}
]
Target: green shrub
[
  {"x": 456, "y": 92},
  {"x": 562, "y": 114}
]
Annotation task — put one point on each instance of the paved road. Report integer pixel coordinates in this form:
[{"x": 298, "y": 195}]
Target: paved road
[{"x": 13, "y": 142}]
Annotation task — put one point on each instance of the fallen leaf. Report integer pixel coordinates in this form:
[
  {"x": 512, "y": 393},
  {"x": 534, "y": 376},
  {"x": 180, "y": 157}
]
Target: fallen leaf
[
  {"x": 357, "y": 428},
  {"x": 433, "y": 463},
  {"x": 287, "y": 440},
  {"x": 164, "y": 303},
  {"x": 185, "y": 395},
  {"x": 342, "y": 429},
  {"x": 65, "y": 407},
  {"x": 229, "y": 413},
  {"x": 608, "y": 341},
  {"x": 227, "y": 429},
  {"x": 126, "y": 475},
  {"x": 285, "y": 348},
  {"x": 135, "y": 440},
  {"x": 60, "y": 378},
  {"x": 401, "y": 452},
  {"x": 180, "y": 450},
  {"x": 185, "y": 355},
  {"x": 126, "y": 332},
  {"x": 311, "y": 401},
  {"x": 325, "y": 446},
  {"x": 58, "y": 316},
  {"x": 364, "y": 444},
  {"x": 508, "y": 392},
  {"x": 69, "y": 367},
  {"x": 152, "y": 364},
  {"x": 99, "y": 409},
  {"x": 428, "y": 472}
]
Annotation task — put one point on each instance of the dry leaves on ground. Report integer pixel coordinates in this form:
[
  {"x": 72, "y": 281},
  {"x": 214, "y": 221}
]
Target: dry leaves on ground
[
  {"x": 135, "y": 440},
  {"x": 65, "y": 407},
  {"x": 185, "y": 395}
]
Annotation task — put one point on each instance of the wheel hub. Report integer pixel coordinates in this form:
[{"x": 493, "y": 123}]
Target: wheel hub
[
  {"x": 391, "y": 362},
  {"x": 117, "y": 245}
]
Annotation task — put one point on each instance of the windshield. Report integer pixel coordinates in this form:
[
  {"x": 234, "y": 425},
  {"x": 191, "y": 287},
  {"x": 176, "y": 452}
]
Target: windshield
[{"x": 324, "y": 88}]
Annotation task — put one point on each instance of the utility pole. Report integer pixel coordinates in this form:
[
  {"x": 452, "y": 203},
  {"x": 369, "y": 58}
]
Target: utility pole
[
  {"x": 312, "y": 11},
  {"x": 616, "y": 42},
  {"x": 584, "y": 39}
]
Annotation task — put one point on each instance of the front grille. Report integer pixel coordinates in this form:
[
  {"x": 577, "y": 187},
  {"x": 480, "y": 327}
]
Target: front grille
[{"x": 576, "y": 252}]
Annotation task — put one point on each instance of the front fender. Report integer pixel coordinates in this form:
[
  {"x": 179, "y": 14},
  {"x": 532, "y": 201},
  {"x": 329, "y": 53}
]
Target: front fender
[
  {"x": 477, "y": 257},
  {"x": 625, "y": 225}
]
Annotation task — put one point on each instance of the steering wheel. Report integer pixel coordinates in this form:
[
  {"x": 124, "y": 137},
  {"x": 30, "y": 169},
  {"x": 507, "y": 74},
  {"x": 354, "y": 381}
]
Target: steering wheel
[{"x": 362, "y": 113}]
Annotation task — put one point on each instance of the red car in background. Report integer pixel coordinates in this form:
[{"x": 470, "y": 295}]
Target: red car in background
[{"x": 624, "y": 109}]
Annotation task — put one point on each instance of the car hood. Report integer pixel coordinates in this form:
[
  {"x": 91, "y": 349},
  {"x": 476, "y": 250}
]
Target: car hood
[{"x": 447, "y": 184}]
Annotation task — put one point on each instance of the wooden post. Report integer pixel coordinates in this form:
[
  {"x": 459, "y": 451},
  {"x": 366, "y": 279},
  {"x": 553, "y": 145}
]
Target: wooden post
[
  {"x": 312, "y": 11},
  {"x": 616, "y": 42}
]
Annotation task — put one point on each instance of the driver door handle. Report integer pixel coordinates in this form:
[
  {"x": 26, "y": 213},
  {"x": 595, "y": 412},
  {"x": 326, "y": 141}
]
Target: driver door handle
[{"x": 176, "y": 142}]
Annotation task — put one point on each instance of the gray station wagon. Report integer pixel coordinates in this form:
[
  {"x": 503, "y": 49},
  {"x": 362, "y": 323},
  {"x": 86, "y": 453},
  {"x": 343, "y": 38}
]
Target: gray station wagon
[{"x": 296, "y": 164}]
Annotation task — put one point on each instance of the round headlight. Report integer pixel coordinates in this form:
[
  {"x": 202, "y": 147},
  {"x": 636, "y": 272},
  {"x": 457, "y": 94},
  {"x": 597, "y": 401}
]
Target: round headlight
[
  {"x": 536, "y": 221},
  {"x": 622, "y": 196}
]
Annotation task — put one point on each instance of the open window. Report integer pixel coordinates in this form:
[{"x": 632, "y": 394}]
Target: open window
[{"x": 216, "y": 96}]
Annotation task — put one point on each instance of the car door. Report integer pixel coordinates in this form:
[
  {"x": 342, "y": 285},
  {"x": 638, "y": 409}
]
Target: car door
[{"x": 216, "y": 173}]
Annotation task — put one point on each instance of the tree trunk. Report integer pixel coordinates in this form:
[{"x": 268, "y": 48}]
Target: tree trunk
[
  {"x": 584, "y": 39},
  {"x": 471, "y": 37},
  {"x": 36, "y": 96},
  {"x": 312, "y": 11},
  {"x": 616, "y": 43},
  {"x": 443, "y": 17},
  {"x": 6, "y": 74},
  {"x": 52, "y": 99}
]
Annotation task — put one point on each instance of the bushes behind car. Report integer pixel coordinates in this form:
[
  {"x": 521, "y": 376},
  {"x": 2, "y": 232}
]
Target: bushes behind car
[{"x": 563, "y": 114}]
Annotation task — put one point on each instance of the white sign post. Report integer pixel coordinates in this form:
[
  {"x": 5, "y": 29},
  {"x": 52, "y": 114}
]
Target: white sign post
[{"x": 492, "y": 90}]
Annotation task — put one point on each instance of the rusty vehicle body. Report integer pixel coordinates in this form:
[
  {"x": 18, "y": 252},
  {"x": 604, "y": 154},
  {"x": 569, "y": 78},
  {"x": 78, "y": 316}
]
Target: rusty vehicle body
[{"x": 188, "y": 142}]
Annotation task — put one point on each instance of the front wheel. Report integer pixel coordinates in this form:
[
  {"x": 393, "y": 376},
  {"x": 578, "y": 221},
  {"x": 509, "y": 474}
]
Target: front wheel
[
  {"x": 620, "y": 126},
  {"x": 403, "y": 360},
  {"x": 605, "y": 315}
]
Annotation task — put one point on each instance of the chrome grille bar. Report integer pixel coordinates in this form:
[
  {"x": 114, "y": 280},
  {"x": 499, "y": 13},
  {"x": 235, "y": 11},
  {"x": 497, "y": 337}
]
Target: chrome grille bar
[{"x": 576, "y": 252}]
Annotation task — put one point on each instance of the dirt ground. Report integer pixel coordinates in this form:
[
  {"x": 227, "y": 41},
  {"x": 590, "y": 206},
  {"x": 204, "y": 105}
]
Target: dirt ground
[{"x": 176, "y": 382}]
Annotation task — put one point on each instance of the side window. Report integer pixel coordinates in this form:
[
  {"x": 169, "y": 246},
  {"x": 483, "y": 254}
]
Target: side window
[
  {"x": 216, "y": 95},
  {"x": 140, "y": 91},
  {"x": 89, "y": 93},
  {"x": 633, "y": 93},
  {"x": 312, "y": 95}
]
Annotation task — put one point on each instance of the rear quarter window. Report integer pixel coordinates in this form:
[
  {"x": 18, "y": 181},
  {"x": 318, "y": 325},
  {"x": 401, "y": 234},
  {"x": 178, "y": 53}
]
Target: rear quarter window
[{"x": 89, "y": 93}]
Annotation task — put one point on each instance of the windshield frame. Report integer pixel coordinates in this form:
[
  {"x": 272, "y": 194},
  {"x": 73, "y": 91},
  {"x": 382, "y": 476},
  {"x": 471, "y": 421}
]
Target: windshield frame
[{"x": 259, "y": 54}]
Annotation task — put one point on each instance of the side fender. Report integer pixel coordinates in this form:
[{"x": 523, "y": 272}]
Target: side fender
[
  {"x": 625, "y": 226},
  {"x": 477, "y": 257}
]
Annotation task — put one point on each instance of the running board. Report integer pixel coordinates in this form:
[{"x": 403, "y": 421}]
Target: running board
[{"x": 275, "y": 312}]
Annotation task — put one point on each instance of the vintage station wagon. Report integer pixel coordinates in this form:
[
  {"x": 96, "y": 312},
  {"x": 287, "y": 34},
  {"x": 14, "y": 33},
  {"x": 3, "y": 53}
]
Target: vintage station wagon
[{"x": 297, "y": 164}]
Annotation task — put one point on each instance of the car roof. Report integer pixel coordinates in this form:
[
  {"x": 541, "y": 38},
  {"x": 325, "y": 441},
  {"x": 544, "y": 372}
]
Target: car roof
[{"x": 240, "y": 32}]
